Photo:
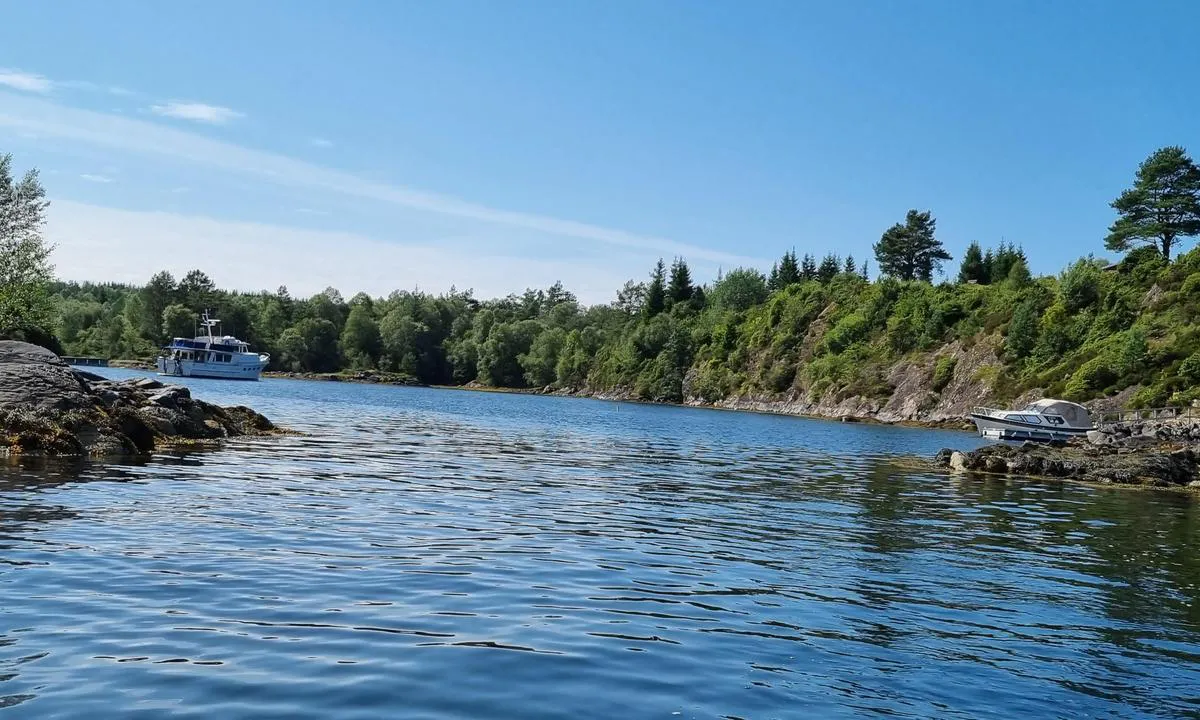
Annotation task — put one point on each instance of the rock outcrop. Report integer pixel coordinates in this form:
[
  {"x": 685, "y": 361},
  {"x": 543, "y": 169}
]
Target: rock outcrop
[
  {"x": 49, "y": 408},
  {"x": 1159, "y": 454}
]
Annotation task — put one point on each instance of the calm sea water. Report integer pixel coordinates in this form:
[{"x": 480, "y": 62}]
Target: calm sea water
[{"x": 433, "y": 554}]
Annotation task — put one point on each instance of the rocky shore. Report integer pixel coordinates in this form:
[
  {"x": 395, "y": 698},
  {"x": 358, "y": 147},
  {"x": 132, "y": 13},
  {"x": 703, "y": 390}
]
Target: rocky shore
[
  {"x": 47, "y": 408},
  {"x": 1161, "y": 453}
]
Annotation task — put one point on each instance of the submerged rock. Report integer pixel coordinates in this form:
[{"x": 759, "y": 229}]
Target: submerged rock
[{"x": 49, "y": 408}]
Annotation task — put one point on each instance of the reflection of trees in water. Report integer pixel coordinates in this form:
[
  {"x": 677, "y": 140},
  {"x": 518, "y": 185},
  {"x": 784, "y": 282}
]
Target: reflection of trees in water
[{"x": 1144, "y": 546}]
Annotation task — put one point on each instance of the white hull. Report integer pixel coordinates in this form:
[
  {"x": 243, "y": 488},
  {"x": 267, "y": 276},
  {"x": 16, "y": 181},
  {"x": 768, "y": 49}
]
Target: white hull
[
  {"x": 219, "y": 371},
  {"x": 1003, "y": 430}
]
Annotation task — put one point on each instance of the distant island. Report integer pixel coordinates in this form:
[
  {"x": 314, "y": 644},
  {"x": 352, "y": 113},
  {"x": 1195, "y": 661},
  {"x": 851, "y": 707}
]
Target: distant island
[{"x": 813, "y": 336}]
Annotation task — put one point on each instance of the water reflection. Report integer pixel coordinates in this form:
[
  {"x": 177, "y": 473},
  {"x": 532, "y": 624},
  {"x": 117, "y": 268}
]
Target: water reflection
[{"x": 437, "y": 555}]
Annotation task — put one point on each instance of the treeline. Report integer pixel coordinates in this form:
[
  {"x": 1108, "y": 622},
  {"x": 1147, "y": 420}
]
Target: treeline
[{"x": 809, "y": 328}]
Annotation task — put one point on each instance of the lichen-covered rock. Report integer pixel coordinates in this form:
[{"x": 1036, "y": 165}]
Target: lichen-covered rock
[{"x": 48, "y": 408}]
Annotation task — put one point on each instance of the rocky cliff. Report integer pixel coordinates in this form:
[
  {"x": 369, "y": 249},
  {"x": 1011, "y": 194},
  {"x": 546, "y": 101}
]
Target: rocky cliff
[
  {"x": 49, "y": 408},
  {"x": 970, "y": 376}
]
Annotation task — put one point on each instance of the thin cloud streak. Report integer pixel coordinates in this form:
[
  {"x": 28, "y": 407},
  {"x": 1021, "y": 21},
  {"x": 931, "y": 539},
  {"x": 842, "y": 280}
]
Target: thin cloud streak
[
  {"x": 139, "y": 136},
  {"x": 96, "y": 178},
  {"x": 95, "y": 242},
  {"x": 28, "y": 82},
  {"x": 197, "y": 112}
]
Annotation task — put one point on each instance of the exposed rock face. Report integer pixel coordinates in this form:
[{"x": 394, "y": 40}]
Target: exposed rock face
[
  {"x": 48, "y": 408},
  {"x": 913, "y": 398},
  {"x": 1107, "y": 458}
]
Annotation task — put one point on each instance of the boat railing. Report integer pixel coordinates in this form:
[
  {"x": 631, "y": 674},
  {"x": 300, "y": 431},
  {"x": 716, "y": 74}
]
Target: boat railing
[{"x": 989, "y": 412}]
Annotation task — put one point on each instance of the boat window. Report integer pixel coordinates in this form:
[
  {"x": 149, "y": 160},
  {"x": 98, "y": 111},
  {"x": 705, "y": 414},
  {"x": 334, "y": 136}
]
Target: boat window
[
  {"x": 1033, "y": 420},
  {"x": 1055, "y": 420}
]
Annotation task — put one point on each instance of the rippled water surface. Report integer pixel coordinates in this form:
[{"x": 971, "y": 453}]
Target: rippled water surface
[{"x": 431, "y": 554}]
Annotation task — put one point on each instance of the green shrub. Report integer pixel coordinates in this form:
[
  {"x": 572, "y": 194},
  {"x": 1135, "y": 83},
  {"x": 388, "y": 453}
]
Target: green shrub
[
  {"x": 1189, "y": 369},
  {"x": 1092, "y": 377},
  {"x": 943, "y": 372}
]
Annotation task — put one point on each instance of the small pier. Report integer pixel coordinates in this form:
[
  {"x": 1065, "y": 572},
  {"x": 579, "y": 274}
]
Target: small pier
[{"x": 86, "y": 361}]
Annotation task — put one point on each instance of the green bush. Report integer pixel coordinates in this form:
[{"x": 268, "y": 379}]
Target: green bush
[
  {"x": 1092, "y": 377},
  {"x": 1191, "y": 285},
  {"x": 1189, "y": 369},
  {"x": 943, "y": 372}
]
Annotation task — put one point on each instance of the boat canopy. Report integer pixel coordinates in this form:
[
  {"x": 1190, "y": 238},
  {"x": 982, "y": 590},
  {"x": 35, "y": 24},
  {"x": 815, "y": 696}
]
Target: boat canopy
[{"x": 1075, "y": 414}]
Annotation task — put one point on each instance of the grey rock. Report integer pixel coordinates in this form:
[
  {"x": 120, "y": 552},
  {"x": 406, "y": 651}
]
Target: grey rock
[
  {"x": 171, "y": 396},
  {"x": 33, "y": 378},
  {"x": 1099, "y": 437},
  {"x": 958, "y": 461}
]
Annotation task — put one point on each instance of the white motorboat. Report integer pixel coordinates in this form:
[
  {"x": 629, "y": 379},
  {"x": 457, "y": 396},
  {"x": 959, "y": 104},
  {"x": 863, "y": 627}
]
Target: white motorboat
[
  {"x": 1047, "y": 419},
  {"x": 211, "y": 355}
]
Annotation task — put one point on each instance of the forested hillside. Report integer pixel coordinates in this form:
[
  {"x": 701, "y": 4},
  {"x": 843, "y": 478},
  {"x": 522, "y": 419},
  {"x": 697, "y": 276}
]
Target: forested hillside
[{"x": 815, "y": 334}]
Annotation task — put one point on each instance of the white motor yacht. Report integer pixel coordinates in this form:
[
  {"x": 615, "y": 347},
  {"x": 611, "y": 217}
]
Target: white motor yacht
[
  {"x": 1047, "y": 419},
  {"x": 211, "y": 355}
]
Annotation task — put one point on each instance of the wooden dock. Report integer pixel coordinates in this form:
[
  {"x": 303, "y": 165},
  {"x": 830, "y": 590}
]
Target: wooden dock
[{"x": 86, "y": 361}]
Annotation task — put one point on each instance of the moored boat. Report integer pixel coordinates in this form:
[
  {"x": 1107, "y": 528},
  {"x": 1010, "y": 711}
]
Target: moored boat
[
  {"x": 1044, "y": 420},
  {"x": 211, "y": 355}
]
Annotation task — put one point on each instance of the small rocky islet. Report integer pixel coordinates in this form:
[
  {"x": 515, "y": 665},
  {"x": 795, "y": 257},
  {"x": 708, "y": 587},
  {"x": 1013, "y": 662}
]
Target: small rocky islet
[
  {"x": 48, "y": 408},
  {"x": 1153, "y": 453}
]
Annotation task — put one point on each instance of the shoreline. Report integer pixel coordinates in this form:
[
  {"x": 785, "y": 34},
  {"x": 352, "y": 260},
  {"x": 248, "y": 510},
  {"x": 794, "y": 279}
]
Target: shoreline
[{"x": 375, "y": 377}]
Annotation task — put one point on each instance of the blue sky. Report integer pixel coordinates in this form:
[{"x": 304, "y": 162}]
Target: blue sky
[{"x": 498, "y": 145}]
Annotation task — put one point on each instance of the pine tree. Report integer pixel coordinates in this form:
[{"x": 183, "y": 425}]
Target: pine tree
[
  {"x": 789, "y": 269},
  {"x": 829, "y": 268},
  {"x": 910, "y": 251},
  {"x": 773, "y": 278},
  {"x": 850, "y": 266},
  {"x": 656, "y": 292},
  {"x": 680, "y": 289},
  {"x": 863, "y": 272},
  {"x": 1162, "y": 207},
  {"x": 972, "y": 268},
  {"x": 808, "y": 268}
]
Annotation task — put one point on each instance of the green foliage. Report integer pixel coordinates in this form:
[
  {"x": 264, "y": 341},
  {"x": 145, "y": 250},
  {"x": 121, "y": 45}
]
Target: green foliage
[
  {"x": 830, "y": 266},
  {"x": 910, "y": 251},
  {"x": 178, "y": 321},
  {"x": 739, "y": 290},
  {"x": 972, "y": 268},
  {"x": 1080, "y": 285},
  {"x": 1189, "y": 369},
  {"x": 1000, "y": 265},
  {"x": 943, "y": 372},
  {"x": 25, "y": 269},
  {"x": 541, "y": 362},
  {"x": 310, "y": 346},
  {"x": 1022, "y": 334},
  {"x": 361, "y": 340},
  {"x": 656, "y": 293},
  {"x": 1092, "y": 377},
  {"x": 679, "y": 289},
  {"x": 1162, "y": 207}
]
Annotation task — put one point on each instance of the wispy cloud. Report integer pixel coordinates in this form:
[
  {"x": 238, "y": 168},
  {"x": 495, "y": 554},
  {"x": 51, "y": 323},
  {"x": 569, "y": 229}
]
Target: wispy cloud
[
  {"x": 96, "y": 178},
  {"x": 311, "y": 211},
  {"x": 103, "y": 243},
  {"x": 29, "y": 82},
  {"x": 320, "y": 142},
  {"x": 197, "y": 112},
  {"x": 140, "y": 136}
]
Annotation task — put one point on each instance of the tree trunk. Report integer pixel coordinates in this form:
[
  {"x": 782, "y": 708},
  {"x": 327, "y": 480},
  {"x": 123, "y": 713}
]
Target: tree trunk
[{"x": 1167, "y": 241}]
